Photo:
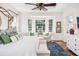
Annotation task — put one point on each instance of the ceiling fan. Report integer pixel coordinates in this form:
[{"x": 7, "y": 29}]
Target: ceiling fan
[{"x": 41, "y": 6}]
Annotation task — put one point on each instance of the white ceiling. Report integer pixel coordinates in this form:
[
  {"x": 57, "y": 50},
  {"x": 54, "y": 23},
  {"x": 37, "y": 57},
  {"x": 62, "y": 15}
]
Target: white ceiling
[
  {"x": 28, "y": 8},
  {"x": 60, "y": 7}
]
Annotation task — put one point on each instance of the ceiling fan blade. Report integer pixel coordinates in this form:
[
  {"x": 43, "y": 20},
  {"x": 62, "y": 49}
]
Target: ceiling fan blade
[
  {"x": 30, "y": 3},
  {"x": 44, "y": 8},
  {"x": 50, "y": 4},
  {"x": 40, "y": 8},
  {"x": 35, "y": 8}
]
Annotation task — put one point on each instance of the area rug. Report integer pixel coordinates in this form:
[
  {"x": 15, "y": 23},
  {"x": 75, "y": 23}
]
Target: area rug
[{"x": 56, "y": 49}]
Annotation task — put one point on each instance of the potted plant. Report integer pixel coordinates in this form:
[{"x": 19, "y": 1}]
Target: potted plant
[{"x": 31, "y": 34}]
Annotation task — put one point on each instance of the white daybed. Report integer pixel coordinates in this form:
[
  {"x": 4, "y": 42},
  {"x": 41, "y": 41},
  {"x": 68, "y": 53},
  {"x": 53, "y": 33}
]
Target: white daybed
[{"x": 23, "y": 47}]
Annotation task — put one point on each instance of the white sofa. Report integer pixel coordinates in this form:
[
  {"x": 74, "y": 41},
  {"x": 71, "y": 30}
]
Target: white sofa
[{"x": 22, "y": 47}]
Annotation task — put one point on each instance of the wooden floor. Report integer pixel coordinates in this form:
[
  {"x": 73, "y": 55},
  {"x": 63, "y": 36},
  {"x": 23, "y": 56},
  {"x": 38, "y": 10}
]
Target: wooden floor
[{"x": 64, "y": 46}]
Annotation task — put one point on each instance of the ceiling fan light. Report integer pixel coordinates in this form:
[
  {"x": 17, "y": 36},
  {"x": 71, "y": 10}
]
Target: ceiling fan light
[
  {"x": 40, "y": 8},
  {"x": 36, "y": 8}
]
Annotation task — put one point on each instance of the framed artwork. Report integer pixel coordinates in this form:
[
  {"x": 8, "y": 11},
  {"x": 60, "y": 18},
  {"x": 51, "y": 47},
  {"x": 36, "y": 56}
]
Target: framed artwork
[
  {"x": 78, "y": 22},
  {"x": 71, "y": 31},
  {"x": 58, "y": 24},
  {"x": 58, "y": 27}
]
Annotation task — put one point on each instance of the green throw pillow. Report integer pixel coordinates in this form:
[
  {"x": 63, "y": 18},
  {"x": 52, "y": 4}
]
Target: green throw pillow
[
  {"x": 46, "y": 34},
  {"x": 5, "y": 39},
  {"x": 31, "y": 34},
  {"x": 13, "y": 34}
]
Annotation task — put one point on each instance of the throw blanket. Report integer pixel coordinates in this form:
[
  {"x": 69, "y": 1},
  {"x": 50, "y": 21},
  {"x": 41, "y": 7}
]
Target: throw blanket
[{"x": 56, "y": 50}]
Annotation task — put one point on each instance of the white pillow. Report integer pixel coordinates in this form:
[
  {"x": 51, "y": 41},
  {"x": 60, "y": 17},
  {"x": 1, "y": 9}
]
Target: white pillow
[
  {"x": 13, "y": 38},
  {"x": 19, "y": 37}
]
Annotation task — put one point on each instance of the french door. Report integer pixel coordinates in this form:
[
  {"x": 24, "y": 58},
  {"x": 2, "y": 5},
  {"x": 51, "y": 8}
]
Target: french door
[{"x": 40, "y": 26}]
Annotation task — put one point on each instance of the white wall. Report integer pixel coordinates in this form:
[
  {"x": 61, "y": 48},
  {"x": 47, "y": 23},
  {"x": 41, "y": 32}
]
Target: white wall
[
  {"x": 38, "y": 16},
  {"x": 42, "y": 15},
  {"x": 4, "y": 22},
  {"x": 70, "y": 11}
]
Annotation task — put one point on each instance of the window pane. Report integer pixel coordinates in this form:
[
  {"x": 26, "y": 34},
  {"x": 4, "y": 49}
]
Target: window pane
[
  {"x": 29, "y": 25},
  {"x": 40, "y": 25},
  {"x": 50, "y": 25}
]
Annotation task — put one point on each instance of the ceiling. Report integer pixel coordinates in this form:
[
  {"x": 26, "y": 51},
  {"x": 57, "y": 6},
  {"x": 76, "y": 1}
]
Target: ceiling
[
  {"x": 60, "y": 7},
  {"x": 28, "y": 8}
]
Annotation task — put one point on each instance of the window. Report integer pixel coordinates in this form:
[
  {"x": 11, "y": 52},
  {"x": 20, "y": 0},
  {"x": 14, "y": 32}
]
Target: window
[
  {"x": 50, "y": 25},
  {"x": 29, "y": 25},
  {"x": 40, "y": 26},
  {"x": 70, "y": 19}
]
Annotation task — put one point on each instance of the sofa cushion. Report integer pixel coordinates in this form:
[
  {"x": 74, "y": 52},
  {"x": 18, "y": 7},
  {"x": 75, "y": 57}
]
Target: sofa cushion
[
  {"x": 13, "y": 38},
  {"x": 13, "y": 33},
  {"x": 5, "y": 39}
]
